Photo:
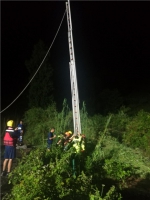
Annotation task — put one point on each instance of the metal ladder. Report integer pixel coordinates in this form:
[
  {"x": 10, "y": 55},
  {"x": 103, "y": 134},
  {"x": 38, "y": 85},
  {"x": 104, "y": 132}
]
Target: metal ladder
[{"x": 73, "y": 76}]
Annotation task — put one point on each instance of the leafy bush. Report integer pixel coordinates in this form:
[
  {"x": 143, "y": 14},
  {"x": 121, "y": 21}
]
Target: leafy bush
[
  {"x": 115, "y": 161},
  {"x": 39, "y": 121},
  {"x": 49, "y": 176},
  {"x": 118, "y": 123},
  {"x": 138, "y": 132}
]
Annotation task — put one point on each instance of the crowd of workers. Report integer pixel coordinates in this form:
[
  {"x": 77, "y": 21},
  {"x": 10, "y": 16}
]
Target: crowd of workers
[{"x": 14, "y": 137}]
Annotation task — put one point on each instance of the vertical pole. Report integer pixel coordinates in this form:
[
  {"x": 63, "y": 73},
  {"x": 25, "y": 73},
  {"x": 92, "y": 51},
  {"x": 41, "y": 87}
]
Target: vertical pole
[{"x": 73, "y": 76}]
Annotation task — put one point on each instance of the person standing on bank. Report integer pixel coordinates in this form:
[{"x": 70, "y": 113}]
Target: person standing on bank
[
  {"x": 20, "y": 130},
  {"x": 10, "y": 140},
  {"x": 51, "y": 136}
]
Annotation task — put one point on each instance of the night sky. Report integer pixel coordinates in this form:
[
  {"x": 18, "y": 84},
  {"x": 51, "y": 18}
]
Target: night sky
[{"x": 111, "y": 43}]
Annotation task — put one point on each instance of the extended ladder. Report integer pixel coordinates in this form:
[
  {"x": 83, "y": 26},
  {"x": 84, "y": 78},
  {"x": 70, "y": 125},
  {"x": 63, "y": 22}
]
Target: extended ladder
[{"x": 73, "y": 76}]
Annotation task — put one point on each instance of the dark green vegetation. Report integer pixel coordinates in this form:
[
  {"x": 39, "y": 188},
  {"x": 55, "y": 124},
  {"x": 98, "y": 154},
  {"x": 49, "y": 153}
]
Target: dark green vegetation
[
  {"x": 117, "y": 158},
  {"x": 116, "y": 162}
]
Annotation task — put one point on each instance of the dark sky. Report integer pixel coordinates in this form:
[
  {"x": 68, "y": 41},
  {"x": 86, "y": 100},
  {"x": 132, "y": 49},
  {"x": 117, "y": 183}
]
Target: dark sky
[{"x": 111, "y": 43}]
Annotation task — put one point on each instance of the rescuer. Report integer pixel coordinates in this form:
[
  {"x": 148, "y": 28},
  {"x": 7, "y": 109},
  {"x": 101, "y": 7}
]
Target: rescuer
[
  {"x": 82, "y": 143},
  {"x": 50, "y": 138},
  {"x": 20, "y": 130},
  {"x": 60, "y": 141},
  {"x": 10, "y": 140},
  {"x": 76, "y": 142},
  {"x": 67, "y": 139},
  {"x": 76, "y": 139}
]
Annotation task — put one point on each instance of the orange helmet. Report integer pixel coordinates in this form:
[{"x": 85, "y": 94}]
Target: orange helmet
[{"x": 68, "y": 133}]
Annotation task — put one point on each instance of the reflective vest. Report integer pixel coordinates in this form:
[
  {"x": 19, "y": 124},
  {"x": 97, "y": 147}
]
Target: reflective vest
[
  {"x": 76, "y": 144},
  {"x": 83, "y": 145}
]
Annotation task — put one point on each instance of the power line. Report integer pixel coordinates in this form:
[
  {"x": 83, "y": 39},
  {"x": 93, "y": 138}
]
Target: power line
[{"x": 39, "y": 65}]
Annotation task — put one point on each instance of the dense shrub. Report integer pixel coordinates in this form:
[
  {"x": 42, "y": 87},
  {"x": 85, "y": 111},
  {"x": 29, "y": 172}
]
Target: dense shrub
[
  {"x": 132, "y": 130},
  {"x": 115, "y": 161},
  {"x": 118, "y": 123},
  {"x": 39, "y": 122},
  {"x": 138, "y": 132},
  {"x": 49, "y": 176}
]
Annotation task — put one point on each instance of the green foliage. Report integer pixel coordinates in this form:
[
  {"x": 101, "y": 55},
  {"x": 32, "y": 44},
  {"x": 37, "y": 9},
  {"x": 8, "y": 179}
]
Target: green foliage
[
  {"x": 117, "y": 170},
  {"x": 48, "y": 175},
  {"x": 39, "y": 122},
  {"x": 118, "y": 123},
  {"x": 110, "y": 195},
  {"x": 41, "y": 88},
  {"x": 91, "y": 126},
  {"x": 64, "y": 120},
  {"x": 137, "y": 132},
  {"x": 116, "y": 161},
  {"x": 84, "y": 119}
]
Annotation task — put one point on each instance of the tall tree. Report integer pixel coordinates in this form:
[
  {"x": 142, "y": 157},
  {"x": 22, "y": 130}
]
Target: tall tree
[{"x": 42, "y": 87}]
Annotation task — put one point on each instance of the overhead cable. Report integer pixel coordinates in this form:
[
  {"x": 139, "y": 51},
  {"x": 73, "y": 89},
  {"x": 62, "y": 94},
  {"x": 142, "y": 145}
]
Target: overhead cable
[{"x": 39, "y": 65}]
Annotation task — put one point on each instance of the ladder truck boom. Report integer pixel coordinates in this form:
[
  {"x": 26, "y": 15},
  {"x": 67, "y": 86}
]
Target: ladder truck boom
[{"x": 73, "y": 76}]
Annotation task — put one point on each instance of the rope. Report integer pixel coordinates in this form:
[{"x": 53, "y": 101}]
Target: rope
[{"x": 38, "y": 67}]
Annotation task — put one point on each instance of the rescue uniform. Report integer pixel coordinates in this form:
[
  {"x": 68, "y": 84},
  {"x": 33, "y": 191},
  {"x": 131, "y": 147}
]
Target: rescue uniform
[
  {"x": 50, "y": 141},
  {"x": 78, "y": 157},
  {"x": 20, "y": 130},
  {"x": 10, "y": 140},
  {"x": 67, "y": 140},
  {"x": 76, "y": 144}
]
